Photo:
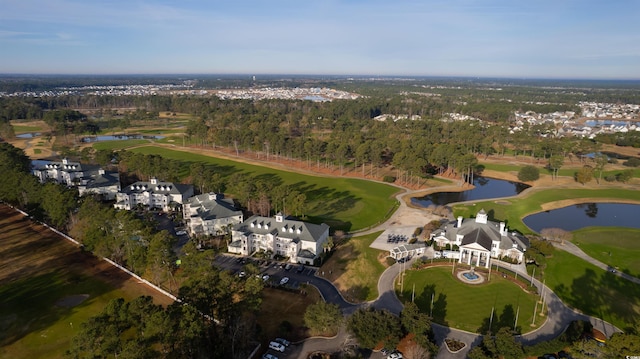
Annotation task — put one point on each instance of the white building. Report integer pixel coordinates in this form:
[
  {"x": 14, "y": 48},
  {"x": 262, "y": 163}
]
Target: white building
[
  {"x": 301, "y": 242},
  {"x": 480, "y": 239},
  {"x": 89, "y": 179},
  {"x": 153, "y": 194},
  {"x": 210, "y": 214}
]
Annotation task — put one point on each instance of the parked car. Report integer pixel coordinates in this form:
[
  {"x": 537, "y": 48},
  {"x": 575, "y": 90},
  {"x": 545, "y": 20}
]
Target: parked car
[
  {"x": 265, "y": 277},
  {"x": 288, "y": 266},
  {"x": 276, "y": 346},
  {"x": 395, "y": 355},
  {"x": 282, "y": 341},
  {"x": 242, "y": 274},
  {"x": 269, "y": 356},
  {"x": 300, "y": 269},
  {"x": 181, "y": 233},
  {"x": 284, "y": 280}
]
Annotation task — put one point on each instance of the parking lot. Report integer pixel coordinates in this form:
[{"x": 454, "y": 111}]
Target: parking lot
[{"x": 297, "y": 273}]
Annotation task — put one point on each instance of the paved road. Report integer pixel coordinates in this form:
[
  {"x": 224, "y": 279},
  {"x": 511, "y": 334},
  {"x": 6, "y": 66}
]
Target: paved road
[
  {"x": 576, "y": 251},
  {"x": 557, "y": 319}
]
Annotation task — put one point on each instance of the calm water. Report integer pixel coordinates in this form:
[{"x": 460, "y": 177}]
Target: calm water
[
  {"x": 119, "y": 137},
  {"x": 485, "y": 188},
  {"x": 585, "y": 215},
  {"x": 28, "y": 135}
]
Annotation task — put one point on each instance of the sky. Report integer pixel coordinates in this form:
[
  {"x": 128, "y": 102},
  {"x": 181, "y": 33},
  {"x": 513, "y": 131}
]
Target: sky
[{"x": 589, "y": 39}]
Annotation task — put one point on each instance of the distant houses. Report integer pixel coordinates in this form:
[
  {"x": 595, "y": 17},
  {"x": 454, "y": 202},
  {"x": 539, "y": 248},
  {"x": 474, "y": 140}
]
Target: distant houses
[
  {"x": 480, "y": 239},
  {"x": 165, "y": 196},
  {"x": 89, "y": 179},
  {"x": 210, "y": 214},
  {"x": 300, "y": 241}
]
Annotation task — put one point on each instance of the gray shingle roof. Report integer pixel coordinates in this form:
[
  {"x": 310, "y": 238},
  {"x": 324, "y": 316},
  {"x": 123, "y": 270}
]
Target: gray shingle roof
[
  {"x": 210, "y": 207},
  {"x": 288, "y": 228}
]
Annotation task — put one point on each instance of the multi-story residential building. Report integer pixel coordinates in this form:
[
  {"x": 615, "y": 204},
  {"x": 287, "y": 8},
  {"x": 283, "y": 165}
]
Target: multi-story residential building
[
  {"x": 480, "y": 239},
  {"x": 89, "y": 179},
  {"x": 102, "y": 183},
  {"x": 153, "y": 194},
  {"x": 299, "y": 241},
  {"x": 210, "y": 214}
]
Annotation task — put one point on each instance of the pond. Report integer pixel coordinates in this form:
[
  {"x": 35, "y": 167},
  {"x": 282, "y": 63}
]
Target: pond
[
  {"x": 28, "y": 135},
  {"x": 485, "y": 188},
  {"x": 120, "y": 137},
  {"x": 585, "y": 215}
]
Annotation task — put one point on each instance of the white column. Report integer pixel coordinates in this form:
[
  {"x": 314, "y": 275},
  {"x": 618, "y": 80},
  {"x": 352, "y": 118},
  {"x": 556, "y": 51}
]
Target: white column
[
  {"x": 469, "y": 257},
  {"x": 478, "y": 260},
  {"x": 488, "y": 259}
]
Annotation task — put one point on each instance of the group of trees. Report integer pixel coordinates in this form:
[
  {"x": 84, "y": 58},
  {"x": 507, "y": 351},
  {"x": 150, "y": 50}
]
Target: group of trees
[
  {"x": 342, "y": 133},
  {"x": 214, "y": 319},
  {"x": 372, "y": 327},
  {"x": 50, "y": 202}
]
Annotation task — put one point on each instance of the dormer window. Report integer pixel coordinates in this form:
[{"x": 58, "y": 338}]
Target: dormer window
[{"x": 291, "y": 230}]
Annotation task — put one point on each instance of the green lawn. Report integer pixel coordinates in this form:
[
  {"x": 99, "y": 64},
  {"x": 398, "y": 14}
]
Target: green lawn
[
  {"x": 40, "y": 273},
  {"x": 514, "y": 209},
  {"x": 343, "y": 203},
  {"x": 593, "y": 290},
  {"x": 468, "y": 307},
  {"x": 617, "y": 247},
  {"x": 354, "y": 267},
  {"x": 23, "y": 128},
  {"x": 502, "y": 167},
  {"x": 118, "y": 145},
  {"x": 34, "y": 326}
]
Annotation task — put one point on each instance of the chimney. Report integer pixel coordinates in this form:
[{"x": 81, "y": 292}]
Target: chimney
[
  {"x": 459, "y": 221},
  {"x": 503, "y": 232}
]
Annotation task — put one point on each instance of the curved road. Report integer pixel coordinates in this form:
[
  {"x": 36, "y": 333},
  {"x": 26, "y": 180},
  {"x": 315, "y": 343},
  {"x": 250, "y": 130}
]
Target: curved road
[{"x": 558, "y": 314}]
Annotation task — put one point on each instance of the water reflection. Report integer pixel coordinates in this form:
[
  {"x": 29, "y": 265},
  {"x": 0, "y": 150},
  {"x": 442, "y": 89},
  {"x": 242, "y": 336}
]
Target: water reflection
[
  {"x": 119, "y": 137},
  {"x": 485, "y": 188},
  {"x": 585, "y": 215}
]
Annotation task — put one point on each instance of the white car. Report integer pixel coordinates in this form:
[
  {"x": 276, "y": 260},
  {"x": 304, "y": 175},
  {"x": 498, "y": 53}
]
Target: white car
[
  {"x": 265, "y": 277},
  {"x": 282, "y": 341},
  {"x": 395, "y": 355},
  {"x": 276, "y": 346},
  {"x": 181, "y": 233},
  {"x": 284, "y": 280},
  {"x": 269, "y": 356}
]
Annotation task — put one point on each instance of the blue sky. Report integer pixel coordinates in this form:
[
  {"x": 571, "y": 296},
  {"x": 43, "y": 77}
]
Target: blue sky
[{"x": 502, "y": 38}]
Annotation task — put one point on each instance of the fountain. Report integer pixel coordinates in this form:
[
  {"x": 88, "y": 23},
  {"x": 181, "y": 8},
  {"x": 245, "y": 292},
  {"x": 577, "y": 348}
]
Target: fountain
[{"x": 471, "y": 275}]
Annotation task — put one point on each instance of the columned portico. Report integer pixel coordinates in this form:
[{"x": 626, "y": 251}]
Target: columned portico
[{"x": 475, "y": 257}]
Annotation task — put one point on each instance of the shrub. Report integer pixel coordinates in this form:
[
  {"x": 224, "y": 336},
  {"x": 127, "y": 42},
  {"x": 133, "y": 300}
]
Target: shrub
[
  {"x": 528, "y": 173},
  {"x": 389, "y": 179},
  {"x": 632, "y": 162}
]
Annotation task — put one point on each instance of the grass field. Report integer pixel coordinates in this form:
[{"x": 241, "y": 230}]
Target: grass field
[
  {"x": 48, "y": 287},
  {"x": 355, "y": 268},
  {"x": 282, "y": 314},
  {"x": 468, "y": 307},
  {"x": 118, "y": 145},
  {"x": 617, "y": 247},
  {"x": 513, "y": 210},
  {"x": 342, "y": 203},
  {"x": 26, "y": 128},
  {"x": 594, "y": 291}
]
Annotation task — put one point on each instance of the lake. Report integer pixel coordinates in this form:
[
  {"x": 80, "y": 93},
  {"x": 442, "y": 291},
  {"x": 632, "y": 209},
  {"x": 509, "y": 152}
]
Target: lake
[
  {"x": 485, "y": 188},
  {"x": 119, "y": 137},
  {"x": 585, "y": 215}
]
